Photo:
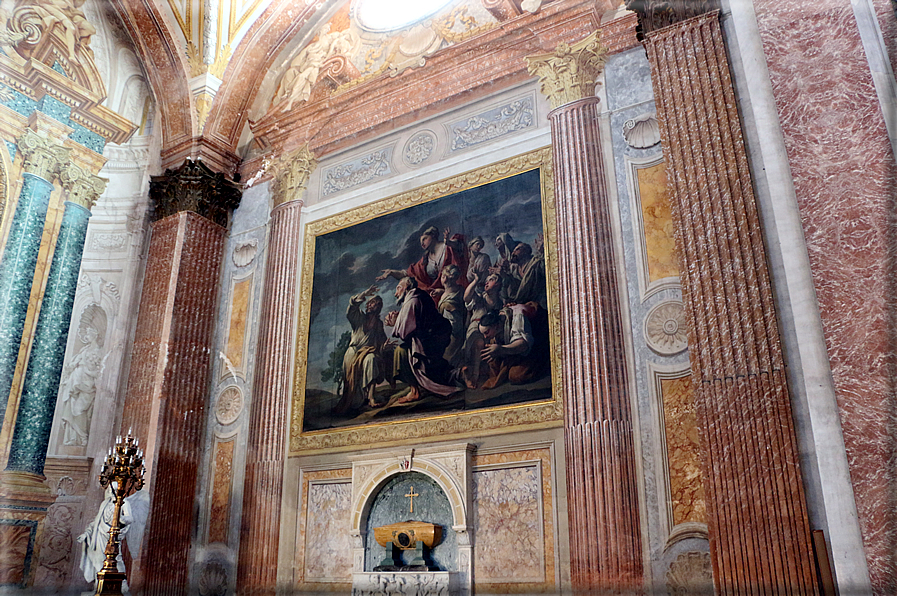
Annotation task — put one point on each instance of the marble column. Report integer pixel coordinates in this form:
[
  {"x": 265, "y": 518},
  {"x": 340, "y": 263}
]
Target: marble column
[
  {"x": 168, "y": 383},
  {"x": 42, "y": 161},
  {"x": 760, "y": 537},
  {"x": 272, "y": 382},
  {"x": 605, "y": 544},
  {"x": 34, "y": 419}
]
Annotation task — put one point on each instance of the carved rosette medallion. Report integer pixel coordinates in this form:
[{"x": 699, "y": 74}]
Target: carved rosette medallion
[
  {"x": 665, "y": 329},
  {"x": 291, "y": 173},
  {"x": 419, "y": 148},
  {"x": 42, "y": 156},
  {"x": 83, "y": 187},
  {"x": 229, "y": 405},
  {"x": 690, "y": 574},
  {"x": 570, "y": 73}
]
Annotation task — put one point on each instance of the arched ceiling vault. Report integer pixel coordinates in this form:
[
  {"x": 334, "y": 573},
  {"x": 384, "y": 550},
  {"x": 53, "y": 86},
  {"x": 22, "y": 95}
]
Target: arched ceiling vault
[{"x": 479, "y": 59}]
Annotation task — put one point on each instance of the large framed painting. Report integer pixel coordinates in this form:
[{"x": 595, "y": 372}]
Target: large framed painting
[{"x": 431, "y": 313}]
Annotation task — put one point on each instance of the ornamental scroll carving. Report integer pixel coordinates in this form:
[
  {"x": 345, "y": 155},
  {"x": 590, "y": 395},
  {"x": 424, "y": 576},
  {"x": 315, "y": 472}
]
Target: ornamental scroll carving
[
  {"x": 291, "y": 173},
  {"x": 194, "y": 187},
  {"x": 570, "y": 73},
  {"x": 42, "y": 156},
  {"x": 83, "y": 187}
]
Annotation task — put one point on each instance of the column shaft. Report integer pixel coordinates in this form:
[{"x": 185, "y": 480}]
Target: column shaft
[
  {"x": 17, "y": 274},
  {"x": 272, "y": 386},
  {"x": 38, "y": 402},
  {"x": 168, "y": 388},
  {"x": 757, "y": 516},
  {"x": 605, "y": 543}
]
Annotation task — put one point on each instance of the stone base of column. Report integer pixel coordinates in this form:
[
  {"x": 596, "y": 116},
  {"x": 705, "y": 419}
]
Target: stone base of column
[
  {"x": 24, "y": 500},
  {"x": 257, "y": 568}
]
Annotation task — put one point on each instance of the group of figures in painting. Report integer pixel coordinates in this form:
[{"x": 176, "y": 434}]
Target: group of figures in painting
[{"x": 469, "y": 327}]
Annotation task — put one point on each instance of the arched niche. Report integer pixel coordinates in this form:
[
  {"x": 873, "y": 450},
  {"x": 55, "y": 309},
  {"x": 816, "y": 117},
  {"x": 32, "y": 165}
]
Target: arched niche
[{"x": 447, "y": 466}]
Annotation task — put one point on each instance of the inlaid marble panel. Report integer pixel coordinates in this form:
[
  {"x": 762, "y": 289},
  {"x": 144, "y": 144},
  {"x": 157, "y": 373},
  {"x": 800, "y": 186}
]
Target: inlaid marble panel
[
  {"x": 660, "y": 245},
  {"x": 16, "y": 545},
  {"x": 327, "y": 549},
  {"x": 514, "y": 522},
  {"x": 683, "y": 450},
  {"x": 236, "y": 335},
  {"x": 221, "y": 490}
]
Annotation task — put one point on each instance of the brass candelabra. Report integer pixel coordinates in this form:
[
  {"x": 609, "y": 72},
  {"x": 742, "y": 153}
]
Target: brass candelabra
[{"x": 123, "y": 469}]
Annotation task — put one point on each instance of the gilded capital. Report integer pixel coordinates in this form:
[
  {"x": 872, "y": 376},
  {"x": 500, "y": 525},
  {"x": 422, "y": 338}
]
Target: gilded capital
[
  {"x": 43, "y": 157},
  {"x": 291, "y": 174},
  {"x": 83, "y": 188},
  {"x": 569, "y": 73}
]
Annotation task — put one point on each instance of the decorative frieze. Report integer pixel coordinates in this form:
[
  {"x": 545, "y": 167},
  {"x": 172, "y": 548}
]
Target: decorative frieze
[
  {"x": 357, "y": 172},
  {"x": 570, "y": 72},
  {"x": 494, "y": 123}
]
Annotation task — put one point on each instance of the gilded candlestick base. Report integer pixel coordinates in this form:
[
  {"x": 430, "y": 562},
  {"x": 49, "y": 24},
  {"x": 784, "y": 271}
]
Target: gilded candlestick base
[{"x": 110, "y": 583}]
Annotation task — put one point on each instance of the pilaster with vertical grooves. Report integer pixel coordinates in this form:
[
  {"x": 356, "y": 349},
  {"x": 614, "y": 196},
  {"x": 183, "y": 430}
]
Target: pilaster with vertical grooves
[
  {"x": 601, "y": 483},
  {"x": 272, "y": 386},
  {"x": 759, "y": 528}
]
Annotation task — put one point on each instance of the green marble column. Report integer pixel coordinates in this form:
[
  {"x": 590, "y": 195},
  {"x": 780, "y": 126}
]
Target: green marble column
[
  {"x": 31, "y": 436},
  {"x": 42, "y": 161}
]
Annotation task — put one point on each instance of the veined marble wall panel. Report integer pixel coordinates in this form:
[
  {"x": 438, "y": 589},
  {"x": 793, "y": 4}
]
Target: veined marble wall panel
[
  {"x": 222, "y": 484},
  {"x": 654, "y": 298},
  {"x": 513, "y": 513},
  {"x": 241, "y": 296},
  {"x": 323, "y": 549}
]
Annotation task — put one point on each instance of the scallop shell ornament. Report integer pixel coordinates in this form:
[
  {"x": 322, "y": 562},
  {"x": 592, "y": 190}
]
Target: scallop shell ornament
[{"x": 642, "y": 131}]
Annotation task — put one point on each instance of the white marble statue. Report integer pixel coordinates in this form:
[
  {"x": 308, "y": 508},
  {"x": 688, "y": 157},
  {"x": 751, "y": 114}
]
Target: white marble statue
[
  {"x": 134, "y": 512},
  {"x": 79, "y": 389}
]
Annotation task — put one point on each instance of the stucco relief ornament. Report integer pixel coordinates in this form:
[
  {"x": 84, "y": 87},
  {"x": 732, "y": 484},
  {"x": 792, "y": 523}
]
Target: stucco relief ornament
[
  {"x": 690, "y": 574},
  {"x": 419, "y": 148},
  {"x": 642, "y": 131},
  {"x": 665, "y": 328},
  {"x": 291, "y": 173},
  {"x": 244, "y": 252},
  {"x": 570, "y": 73},
  {"x": 229, "y": 405}
]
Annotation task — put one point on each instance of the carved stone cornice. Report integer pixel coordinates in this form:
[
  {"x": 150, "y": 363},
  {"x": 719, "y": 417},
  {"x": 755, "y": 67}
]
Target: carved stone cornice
[
  {"x": 291, "y": 173},
  {"x": 657, "y": 14},
  {"x": 569, "y": 73},
  {"x": 194, "y": 187},
  {"x": 43, "y": 157},
  {"x": 83, "y": 187}
]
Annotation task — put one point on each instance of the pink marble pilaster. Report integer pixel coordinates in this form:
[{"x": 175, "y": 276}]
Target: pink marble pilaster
[
  {"x": 268, "y": 425},
  {"x": 605, "y": 546},
  {"x": 844, "y": 180},
  {"x": 757, "y": 515}
]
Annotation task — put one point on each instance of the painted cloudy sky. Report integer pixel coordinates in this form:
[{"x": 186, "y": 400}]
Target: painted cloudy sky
[{"x": 348, "y": 260}]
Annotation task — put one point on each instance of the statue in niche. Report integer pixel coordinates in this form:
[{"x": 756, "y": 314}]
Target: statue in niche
[
  {"x": 302, "y": 74},
  {"x": 134, "y": 513},
  {"x": 79, "y": 386}
]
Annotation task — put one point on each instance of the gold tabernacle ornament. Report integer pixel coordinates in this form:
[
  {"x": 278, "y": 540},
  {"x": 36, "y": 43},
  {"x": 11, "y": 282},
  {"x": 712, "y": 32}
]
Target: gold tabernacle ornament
[{"x": 123, "y": 469}]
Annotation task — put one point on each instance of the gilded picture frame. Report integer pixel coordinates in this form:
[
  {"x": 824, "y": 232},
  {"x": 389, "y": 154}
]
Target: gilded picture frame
[{"x": 386, "y": 412}]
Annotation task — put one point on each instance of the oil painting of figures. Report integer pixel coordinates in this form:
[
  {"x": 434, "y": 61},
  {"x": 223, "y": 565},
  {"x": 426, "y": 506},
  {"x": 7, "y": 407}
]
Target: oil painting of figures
[{"x": 439, "y": 308}]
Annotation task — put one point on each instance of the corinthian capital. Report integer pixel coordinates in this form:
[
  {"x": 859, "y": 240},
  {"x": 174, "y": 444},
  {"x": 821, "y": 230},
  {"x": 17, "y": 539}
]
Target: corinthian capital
[
  {"x": 569, "y": 73},
  {"x": 83, "y": 187},
  {"x": 43, "y": 157},
  {"x": 291, "y": 174}
]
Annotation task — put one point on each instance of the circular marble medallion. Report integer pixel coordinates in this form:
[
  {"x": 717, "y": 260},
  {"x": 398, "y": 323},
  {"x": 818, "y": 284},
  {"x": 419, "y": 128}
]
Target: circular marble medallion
[{"x": 229, "y": 405}]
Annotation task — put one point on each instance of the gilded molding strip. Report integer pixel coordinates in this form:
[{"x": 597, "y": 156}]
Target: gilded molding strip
[{"x": 457, "y": 425}]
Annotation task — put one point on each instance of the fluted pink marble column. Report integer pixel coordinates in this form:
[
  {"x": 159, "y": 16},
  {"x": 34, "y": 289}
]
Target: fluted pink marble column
[
  {"x": 757, "y": 516},
  {"x": 272, "y": 386},
  {"x": 605, "y": 544}
]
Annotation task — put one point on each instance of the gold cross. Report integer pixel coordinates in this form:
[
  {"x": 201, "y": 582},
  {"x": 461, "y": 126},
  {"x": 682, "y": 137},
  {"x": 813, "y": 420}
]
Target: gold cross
[{"x": 411, "y": 496}]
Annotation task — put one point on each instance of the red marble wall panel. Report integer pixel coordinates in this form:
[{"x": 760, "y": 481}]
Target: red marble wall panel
[
  {"x": 168, "y": 387},
  {"x": 844, "y": 179}
]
